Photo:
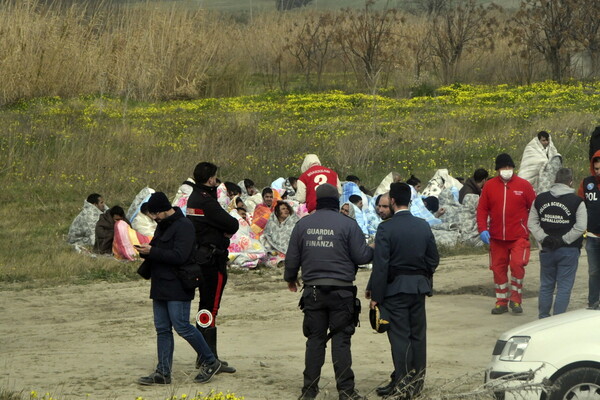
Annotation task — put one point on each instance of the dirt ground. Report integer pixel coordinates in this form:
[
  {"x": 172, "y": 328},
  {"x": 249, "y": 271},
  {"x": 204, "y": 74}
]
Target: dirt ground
[{"x": 96, "y": 340}]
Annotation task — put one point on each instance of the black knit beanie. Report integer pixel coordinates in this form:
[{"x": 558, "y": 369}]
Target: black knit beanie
[
  {"x": 158, "y": 202},
  {"x": 504, "y": 160}
]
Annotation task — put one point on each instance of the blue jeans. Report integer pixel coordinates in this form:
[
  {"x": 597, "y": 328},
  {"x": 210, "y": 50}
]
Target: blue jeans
[
  {"x": 557, "y": 270},
  {"x": 176, "y": 314},
  {"x": 592, "y": 247}
]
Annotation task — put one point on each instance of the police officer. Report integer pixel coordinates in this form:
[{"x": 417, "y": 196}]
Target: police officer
[
  {"x": 557, "y": 220},
  {"x": 214, "y": 226},
  {"x": 590, "y": 192},
  {"x": 328, "y": 246},
  {"x": 405, "y": 259}
]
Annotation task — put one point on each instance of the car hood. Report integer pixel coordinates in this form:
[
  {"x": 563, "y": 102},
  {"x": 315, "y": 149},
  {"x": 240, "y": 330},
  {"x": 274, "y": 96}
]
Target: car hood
[{"x": 579, "y": 319}]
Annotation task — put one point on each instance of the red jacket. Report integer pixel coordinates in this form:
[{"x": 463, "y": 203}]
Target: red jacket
[
  {"x": 312, "y": 178},
  {"x": 507, "y": 206}
]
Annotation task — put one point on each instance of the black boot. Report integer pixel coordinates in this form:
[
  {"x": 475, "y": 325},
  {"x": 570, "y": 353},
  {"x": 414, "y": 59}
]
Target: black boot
[{"x": 210, "y": 335}]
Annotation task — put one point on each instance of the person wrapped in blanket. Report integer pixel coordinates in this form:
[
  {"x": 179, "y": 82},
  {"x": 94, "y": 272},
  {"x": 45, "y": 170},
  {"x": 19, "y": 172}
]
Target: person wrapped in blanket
[
  {"x": 183, "y": 194},
  {"x": 245, "y": 250},
  {"x": 362, "y": 205},
  {"x": 278, "y": 231},
  {"x": 347, "y": 209},
  {"x": 288, "y": 186},
  {"x": 105, "y": 229},
  {"x": 414, "y": 182},
  {"x": 262, "y": 212},
  {"x": 248, "y": 188},
  {"x": 291, "y": 186},
  {"x": 143, "y": 223},
  {"x": 537, "y": 153},
  {"x": 82, "y": 229},
  {"x": 227, "y": 192}
]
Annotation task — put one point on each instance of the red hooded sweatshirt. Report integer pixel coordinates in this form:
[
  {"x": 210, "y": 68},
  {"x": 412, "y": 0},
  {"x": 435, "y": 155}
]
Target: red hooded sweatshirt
[
  {"x": 507, "y": 206},
  {"x": 589, "y": 190}
]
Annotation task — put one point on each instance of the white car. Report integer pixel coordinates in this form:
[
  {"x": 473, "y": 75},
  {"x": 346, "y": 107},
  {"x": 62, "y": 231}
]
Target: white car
[{"x": 556, "y": 358}]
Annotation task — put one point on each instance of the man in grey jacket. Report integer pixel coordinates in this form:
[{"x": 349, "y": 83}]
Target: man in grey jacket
[
  {"x": 328, "y": 246},
  {"x": 557, "y": 220}
]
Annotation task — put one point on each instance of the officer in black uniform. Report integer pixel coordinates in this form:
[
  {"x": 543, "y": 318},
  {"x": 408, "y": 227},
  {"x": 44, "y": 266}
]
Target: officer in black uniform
[
  {"x": 214, "y": 226},
  {"x": 405, "y": 259},
  {"x": 328, "y": 246}
]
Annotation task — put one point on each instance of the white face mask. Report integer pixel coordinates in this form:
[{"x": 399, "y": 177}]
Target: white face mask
[{"x": 506, "y": 174}]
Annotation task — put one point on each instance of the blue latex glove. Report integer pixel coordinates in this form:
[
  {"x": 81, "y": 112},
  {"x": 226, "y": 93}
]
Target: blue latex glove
[{"x": 485, "y": 237}]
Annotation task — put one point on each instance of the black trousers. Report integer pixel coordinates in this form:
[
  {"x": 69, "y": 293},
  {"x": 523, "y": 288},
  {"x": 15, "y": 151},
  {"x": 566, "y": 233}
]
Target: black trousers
[
  {"x": 211, "y": 288},
  {"x": 325, "y": 311},
  {"x": 408, "y": 339}
]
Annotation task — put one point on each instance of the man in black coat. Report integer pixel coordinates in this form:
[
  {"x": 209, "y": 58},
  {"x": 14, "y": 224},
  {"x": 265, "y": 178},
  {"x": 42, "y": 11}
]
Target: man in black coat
[
  {"x": 213, "y": 227},
  {"x": 405, "y": 259},
  {"x": 170, "y": 248}
]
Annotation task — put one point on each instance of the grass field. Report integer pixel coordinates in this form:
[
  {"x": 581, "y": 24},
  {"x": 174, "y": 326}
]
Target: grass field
[
  {"x": 268, "y": 5},
  {"x": 57, "y": 151}
]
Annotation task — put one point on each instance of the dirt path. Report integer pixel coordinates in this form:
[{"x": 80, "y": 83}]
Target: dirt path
[{"x": 98, "y": 339}]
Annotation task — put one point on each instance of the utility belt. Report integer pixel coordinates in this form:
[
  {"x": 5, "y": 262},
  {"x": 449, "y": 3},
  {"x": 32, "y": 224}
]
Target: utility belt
[
  {"x": 332, "y": 288},
  {"x": 208, "y": 255},
  {"x": 397, "y": 271},
  {"x": 212, "y": 248},
  {"x": 326, "y": 289}
]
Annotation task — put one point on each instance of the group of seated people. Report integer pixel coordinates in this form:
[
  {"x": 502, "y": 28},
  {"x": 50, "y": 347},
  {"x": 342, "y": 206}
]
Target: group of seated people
[
  {"x": 96, "y": 227},
  {"x": 266, "y": 218}
]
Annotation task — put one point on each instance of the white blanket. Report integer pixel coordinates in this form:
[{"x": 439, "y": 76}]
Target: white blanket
[{"x": 535, "y": 157}]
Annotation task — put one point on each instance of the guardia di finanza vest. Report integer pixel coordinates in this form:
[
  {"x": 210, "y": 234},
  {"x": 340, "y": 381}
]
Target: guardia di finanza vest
[
  {"x": 592, "y": 203},
  {"x": 558, "y": 215}
]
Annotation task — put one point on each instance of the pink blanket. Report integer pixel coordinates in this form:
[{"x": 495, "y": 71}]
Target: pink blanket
[{"x": 125, "y": 238}]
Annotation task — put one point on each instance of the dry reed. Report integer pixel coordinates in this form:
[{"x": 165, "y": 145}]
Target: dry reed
[{"x": 144, "y": 52}]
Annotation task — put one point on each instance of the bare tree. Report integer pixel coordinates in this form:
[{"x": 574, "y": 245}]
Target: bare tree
[
  {"x": 418, "y": 43},
  {"x": 311, "y": 43},
  {"x": 546, "y": 26},
  {"x": 462, "y": 26},
  {"x": 586, "y": 30},
  {"x": 430, "y": 7},
  {"x": 367, "y": 38},
  {"x": 283, "y": 5}
]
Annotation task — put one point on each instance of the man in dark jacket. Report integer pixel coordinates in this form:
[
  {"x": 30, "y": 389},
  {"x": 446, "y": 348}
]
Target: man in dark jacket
[
  {"x": 170, "y": 248},
  {"x": 589, "y": 190},
  {"x": 328, "y": 246},
  {"x": 213, "y": 227},
  {"x": 405, "y": 259},
  {"x": 473, "y": 185},
  {"x": 557, "y": 220}
]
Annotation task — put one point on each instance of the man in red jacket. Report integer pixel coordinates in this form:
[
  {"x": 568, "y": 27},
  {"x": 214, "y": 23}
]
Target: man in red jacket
[
  {"x": 314, "y": 175},
  {"x": 502, "y": 216}
]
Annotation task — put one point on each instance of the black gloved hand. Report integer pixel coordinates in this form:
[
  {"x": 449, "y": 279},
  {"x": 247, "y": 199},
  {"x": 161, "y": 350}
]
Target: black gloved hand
[{"x": 552, "y": 242}]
